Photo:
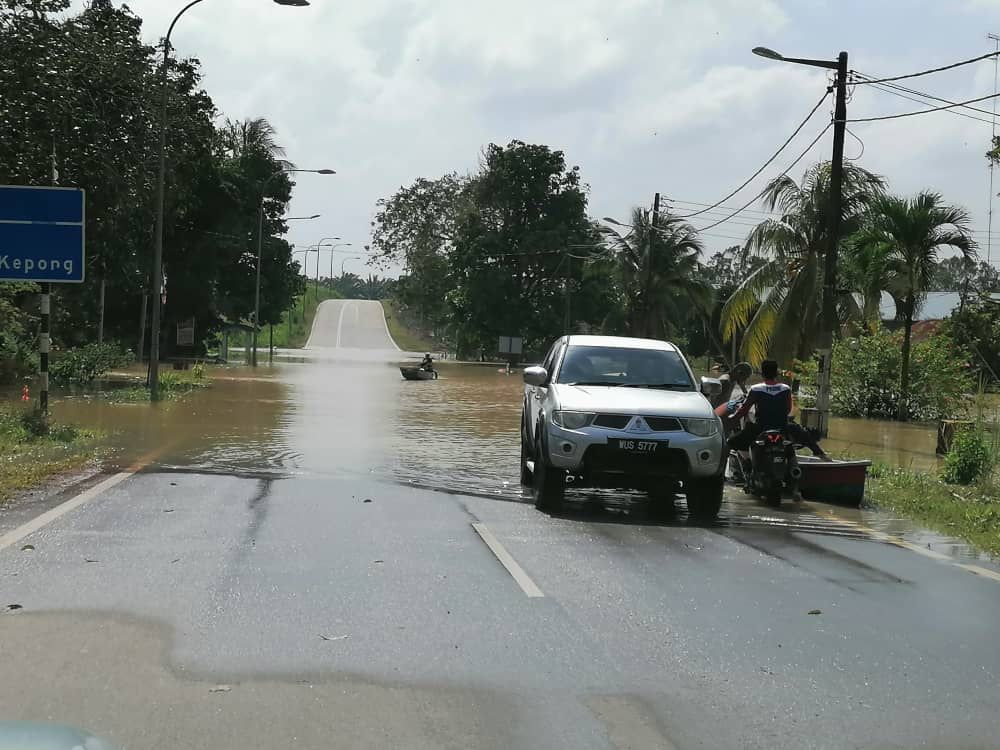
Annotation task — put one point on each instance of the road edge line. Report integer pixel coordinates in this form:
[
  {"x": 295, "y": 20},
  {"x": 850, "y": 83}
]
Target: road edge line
[
  {"x": 522, "y": 579},
  {"x": 39, "y": 522},
  {"x": 385, "y": 322}
]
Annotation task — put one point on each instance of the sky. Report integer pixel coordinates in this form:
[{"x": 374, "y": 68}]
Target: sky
[{"x": 643, "y": 95}]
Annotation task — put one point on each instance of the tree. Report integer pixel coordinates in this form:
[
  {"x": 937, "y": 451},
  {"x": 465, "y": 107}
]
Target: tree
[
  {"x": 780, "y": 304},
  {"x": 961, "y": 274},
  {"x": 660, "y": 271},
  {"x": 911, "y": 232},
  {"x": 509, "y": 262}
]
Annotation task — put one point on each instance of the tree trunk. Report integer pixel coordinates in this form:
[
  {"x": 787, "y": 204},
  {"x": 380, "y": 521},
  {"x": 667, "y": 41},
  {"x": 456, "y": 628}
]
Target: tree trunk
[{"x": 904, "y": 378}]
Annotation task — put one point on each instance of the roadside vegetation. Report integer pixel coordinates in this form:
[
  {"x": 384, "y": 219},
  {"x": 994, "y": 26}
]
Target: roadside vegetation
[
  {"x": 970, "y": 511},
  {"x": 34, "y": 449},
  {"x": 406, "y": 333},
  {"x": 173, "y": 385}
]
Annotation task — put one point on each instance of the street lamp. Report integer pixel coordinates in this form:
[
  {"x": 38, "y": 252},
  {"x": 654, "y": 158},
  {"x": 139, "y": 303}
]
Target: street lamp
[
  {"x": 319, "y": 245},
  {"x": 153, "y": 378},
  {"x": 829, "y": 314},
  {"x": 333, "y": 249},
  {"x": 353, "y": 257},
  {"x": 260, "y": 237}
]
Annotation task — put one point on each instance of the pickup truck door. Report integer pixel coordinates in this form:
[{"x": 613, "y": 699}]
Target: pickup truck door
[{"x": 535, "y": 394}]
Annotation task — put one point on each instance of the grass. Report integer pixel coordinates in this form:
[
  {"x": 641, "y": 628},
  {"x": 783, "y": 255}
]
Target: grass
[
  {"x": 173, "y": 385},
  {"x": 27, "y": 458},
  {"x": 971, "y": 512},
  {"x": 405, "y": 336},
  {"x": 296, "y": 323}
]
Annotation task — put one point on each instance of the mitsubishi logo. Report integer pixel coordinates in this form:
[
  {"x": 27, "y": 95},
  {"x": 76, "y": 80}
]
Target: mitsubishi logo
[{"x": 639, "y": 425}]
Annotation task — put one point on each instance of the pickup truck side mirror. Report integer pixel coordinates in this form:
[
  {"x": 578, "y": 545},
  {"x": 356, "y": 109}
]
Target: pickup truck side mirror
[
  {"x": 536, "y": 375},
  {"x": 711, "y": 387}
]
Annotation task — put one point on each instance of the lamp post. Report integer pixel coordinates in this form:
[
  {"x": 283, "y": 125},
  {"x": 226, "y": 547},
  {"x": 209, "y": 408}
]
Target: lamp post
[
  {"x": 829, "y": 314},
  {"x": 333, "y": 249},
  {"x": 353, "y": 257},
  {"x": 319, "y": 245},
  {"x": 153, "y": 378},
  {"x": 260, "y": 238}
]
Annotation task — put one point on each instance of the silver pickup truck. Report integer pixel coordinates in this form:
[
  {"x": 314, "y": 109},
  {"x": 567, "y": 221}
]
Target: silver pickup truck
[{"x": 621, "y": 413}]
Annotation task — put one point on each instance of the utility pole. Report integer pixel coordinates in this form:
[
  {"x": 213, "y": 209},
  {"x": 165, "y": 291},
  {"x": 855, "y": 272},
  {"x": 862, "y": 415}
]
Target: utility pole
[
  {"x": 142, "y": 327},
  {"x": 830, "y": 266},
  {"x": 655, "y": 221},
  {"x": 989, "y": 213}
]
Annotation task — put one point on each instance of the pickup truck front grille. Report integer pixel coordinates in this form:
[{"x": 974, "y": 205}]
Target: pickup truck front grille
[
  {"x": 612, "y": 421},
  {"x": 664, "y": 424},
  {"x": 621, "y": 421}
]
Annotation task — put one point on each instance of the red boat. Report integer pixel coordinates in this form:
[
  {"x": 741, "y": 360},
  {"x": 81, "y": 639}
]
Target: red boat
[{"x": 840, "y": 482}]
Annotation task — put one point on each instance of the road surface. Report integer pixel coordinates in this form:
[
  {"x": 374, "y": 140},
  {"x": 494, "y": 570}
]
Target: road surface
[{"x": 277, "y": 589}]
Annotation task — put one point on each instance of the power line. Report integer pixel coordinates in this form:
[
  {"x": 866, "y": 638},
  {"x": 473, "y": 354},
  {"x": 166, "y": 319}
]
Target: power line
[
  {"x": 889, "y": 89},
  {"x": 924, "y": 111},
  {"x": 933, "y": 70},
  {"x": 915, "y": 92},
  {"x": 768, "y": 163},
  {"x": 759, "y": 195},
  {"x": 721, "y": 208}
]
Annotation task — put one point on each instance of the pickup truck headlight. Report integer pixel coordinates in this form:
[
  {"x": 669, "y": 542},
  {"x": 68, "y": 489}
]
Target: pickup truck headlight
[
  {"x": 572, "y": 420},
  {"x": 701, "y": 427}
]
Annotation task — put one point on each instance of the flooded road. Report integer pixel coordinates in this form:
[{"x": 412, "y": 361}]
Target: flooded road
[
  {"x": 318, "y": 553},
  {"x": 348, "y": 413}
]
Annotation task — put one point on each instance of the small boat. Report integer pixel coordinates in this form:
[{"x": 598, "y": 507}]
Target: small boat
[
  {"x": 840, "y": 482},
  {"x": 417, "y": 373}
]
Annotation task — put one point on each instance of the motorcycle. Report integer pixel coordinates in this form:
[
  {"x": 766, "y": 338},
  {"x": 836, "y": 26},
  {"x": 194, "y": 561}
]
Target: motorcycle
[{"x": 772, "y": 467}]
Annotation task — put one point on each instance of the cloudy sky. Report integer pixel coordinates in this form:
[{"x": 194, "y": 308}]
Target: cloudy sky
[{"x": 643, "y": 95}]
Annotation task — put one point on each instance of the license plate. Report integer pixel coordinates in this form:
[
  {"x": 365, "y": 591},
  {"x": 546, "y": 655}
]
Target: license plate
[{"x": 647, "y": 447}]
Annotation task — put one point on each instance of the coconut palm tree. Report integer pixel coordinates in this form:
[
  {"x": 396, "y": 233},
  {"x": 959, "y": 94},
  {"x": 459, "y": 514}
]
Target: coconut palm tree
[
  {"x": 659, "y": 268},
  {"x": 780, "y": 304},
  {"x": 911, "y": 232},
  {"x": 251, "y": 139}
]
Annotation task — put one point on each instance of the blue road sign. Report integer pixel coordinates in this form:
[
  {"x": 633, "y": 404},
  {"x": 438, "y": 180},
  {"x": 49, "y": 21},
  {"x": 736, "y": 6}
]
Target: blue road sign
[{"x": 42, "y": 234}]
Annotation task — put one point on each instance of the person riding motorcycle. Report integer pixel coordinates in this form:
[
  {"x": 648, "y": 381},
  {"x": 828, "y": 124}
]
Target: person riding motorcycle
[
  {"x": 427, "y": 363},
  {"x": 772, "y": 405}
]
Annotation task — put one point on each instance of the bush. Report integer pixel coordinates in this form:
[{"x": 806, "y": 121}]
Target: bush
[
  {"x": 968, "y": 459},
  {"x": 198, "y": 371},
  {"x": 81, "y": 366},
  {"x": 866, "y": 374}
]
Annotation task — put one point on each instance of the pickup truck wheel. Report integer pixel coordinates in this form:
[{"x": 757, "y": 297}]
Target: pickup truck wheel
[
  {"x": 704, "y": 497},
  {"x": 526, "y": 478},
  {"x": 549, "y": 483}
]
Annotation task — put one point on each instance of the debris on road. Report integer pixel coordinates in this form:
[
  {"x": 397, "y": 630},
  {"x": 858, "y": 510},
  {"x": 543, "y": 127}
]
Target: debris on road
[
  {"x": 89, "y": 560},
  {"x": 175, "y": 560},
  {"x": 379, "y": 562},
  {"x": 815, "y": 612},
  {"x": 334, "y": 638},
  {"x": 367, "y": 500},
  {"x": 168, "y": 510},
  {"x": 221, "y": 689},
  {"x": 14, "y": 607},
  {"x": 28, "y": 548}
]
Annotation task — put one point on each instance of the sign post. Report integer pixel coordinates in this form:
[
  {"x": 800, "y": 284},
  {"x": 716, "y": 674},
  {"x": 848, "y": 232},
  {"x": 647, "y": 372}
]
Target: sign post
[{"x": 42, "y": 240}]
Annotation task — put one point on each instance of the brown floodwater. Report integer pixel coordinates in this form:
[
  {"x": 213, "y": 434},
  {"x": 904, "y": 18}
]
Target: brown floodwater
[{"x": 339, "y": 413}]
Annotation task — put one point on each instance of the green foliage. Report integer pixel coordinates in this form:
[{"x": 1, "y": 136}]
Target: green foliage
[
  {"x": 866, "y": 377},
  {"x": 83, "y": 365},
  {"x": 198, "y": 371},
  {"x": 780, "y": 304},
  {"x": 977, "y": 328},
  {"x": 659, "y": 269},
  {"x": 968, "y": 459},
  {"x": 81, "y": 81}
]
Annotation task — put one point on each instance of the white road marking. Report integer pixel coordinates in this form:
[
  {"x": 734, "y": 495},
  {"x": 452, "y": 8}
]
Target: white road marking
[
  {"x": 387, "y": 334},
  {"x": 340, "y": 322},
  {"x": 516, "y": 571},
  {"x": 13, "y": 537},
  {"x": 985, "y": 572}
]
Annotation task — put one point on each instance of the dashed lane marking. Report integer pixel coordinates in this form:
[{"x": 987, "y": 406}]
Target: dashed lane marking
[{"x": 516, "y": 571}]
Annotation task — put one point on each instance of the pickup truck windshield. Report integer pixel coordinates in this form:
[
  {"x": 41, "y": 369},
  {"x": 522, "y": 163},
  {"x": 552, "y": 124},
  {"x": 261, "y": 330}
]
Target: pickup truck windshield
[{"x": 599, "y": 365}]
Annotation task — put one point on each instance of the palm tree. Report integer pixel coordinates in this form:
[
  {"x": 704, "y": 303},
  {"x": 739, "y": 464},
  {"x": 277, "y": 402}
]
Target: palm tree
[
  {"x": 866, "y": 271},
  {"x": 251, "y": 139},
  {"x": 910, "y": 232},
  {"x": 780, "y": 304},
  {"x": 659, "y": 267}
]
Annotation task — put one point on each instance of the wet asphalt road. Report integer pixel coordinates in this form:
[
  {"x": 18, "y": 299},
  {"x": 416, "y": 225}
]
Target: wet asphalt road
[{"x": 203, "y": 603}]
